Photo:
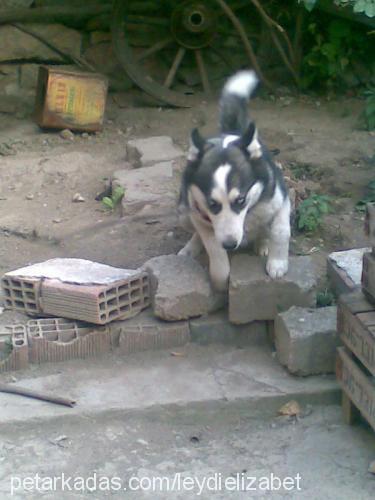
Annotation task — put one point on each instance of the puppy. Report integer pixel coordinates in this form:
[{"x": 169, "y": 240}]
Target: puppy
[{"x": 231, "y": 187}]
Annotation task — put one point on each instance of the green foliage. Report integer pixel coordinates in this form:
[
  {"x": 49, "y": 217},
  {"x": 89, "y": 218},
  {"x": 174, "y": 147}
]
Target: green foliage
[
  {"x": 311, "y": 211},
  {"x": 336, "y": 47},
  {"x": 325, "y": 298},
  {"x": 111, "y": 202},
  {"x": 369, "y": 112},
  {"x": 369, "y": 198},
  {"x": 309, "y": 4},
  {"x": 367, "y": 7}
]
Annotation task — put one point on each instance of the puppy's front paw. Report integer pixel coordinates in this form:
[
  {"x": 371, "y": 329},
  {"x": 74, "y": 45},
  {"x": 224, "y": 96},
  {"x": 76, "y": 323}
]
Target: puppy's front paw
[
  {"x": 262, "y": 248},
  {"x": 219, "y": 279},
  {"x": 185, "y": 252},
  {"x": 276, "y": 268}
]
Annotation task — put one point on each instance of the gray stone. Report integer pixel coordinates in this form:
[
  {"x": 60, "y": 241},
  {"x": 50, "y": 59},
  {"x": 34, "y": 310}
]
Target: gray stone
[
  {"x": 16, "y": 45},
  {"x": 9, "y": 78},
  {"x": 180, "y": 287},
  {"x": 145, "y": 332},
  {"x": 253, "y": 295},
  {"x": 344, "y": 269},
  {"x": 156, "y": 149},
  {"x": 215, "y": 328},
  {"x": 146, "y": 186},
  {"x": 306, "y": 340}
]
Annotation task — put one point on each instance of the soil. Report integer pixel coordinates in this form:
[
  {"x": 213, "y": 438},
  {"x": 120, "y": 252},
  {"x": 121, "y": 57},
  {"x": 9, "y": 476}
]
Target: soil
[{"x": 320, "y": 147}]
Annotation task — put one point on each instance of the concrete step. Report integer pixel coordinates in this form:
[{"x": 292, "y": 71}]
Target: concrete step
[{"x": 214, "y": 377}]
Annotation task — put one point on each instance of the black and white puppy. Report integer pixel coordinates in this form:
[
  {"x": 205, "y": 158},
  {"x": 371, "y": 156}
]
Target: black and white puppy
[{"x": 231, "y": 187}]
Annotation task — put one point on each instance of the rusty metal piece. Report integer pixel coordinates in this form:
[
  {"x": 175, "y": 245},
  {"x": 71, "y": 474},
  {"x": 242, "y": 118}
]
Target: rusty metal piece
[
  {"x": 70, "y": 99},
  {"x": 21, "y": 391}
]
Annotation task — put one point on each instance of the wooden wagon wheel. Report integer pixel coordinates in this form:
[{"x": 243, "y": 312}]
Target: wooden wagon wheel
[{"x": 157, "y": 41}]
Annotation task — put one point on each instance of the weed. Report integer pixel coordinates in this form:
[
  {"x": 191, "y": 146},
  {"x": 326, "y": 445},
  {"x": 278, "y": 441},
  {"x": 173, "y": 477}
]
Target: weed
[
  {"x": 325, "y": 298},
  {"x": 111, "y": 202},
  {"x": 311, "y": 211},
  {"x": 368, "y": 198},
  {"x": 369, "y": 112}
]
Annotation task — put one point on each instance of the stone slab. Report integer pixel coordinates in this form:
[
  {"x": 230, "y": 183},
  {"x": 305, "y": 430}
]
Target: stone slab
[
  {"x": 180, "y": 288},
  {"x": 344, "y": 269},
  {"x": 306, "y": 340},
  {"x": 156, "y": 149},
  {"x": 212, "y": 376},
  {"x": 146, "y": 186},
  {"x": 216, "y": 329},
  {"x": 253, "y": 295}
]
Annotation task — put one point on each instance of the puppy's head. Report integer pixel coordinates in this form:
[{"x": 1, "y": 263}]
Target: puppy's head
[{"x": 222, "y": 183}]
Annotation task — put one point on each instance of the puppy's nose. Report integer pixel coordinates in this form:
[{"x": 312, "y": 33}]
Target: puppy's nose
[{"x": 230, "y": 244}]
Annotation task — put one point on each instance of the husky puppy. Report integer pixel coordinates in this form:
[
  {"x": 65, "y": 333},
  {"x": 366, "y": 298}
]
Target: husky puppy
[{"x": 231, "y": 187}]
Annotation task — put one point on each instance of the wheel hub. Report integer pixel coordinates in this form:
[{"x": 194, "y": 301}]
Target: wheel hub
[{"x": 193, "y": 24}]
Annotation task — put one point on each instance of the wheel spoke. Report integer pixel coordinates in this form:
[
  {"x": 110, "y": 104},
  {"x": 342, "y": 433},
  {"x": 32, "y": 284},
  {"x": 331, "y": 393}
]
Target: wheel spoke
[
  {"x": 202, "y": 71},
  {"x": 176, "y": 63},
  {"x": 155, "y": 48},
  {"x": 150, "y": 21}
]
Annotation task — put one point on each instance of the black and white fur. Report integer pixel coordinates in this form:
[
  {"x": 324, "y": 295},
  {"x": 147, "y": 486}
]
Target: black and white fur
[{"x": 231, "y": 186}]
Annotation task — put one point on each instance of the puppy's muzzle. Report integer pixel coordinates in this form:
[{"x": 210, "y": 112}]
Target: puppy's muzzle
[{"x": 230, "y": 244}]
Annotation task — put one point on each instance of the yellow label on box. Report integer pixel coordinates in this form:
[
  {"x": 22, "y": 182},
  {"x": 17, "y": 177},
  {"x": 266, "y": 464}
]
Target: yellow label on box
[{"x": 80, "y": 101}]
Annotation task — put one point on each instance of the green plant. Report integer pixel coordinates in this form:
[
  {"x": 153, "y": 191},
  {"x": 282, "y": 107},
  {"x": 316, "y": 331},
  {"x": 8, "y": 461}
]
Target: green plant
[
  {"x": 365, "y": 6},
  {"x": 111, "y": 202},
  {"x": 311, "y": 211},
  {"x": 325, "y": 298},
  {"x": 368, "y": 198},
  {"x": 336, "y": 49}
]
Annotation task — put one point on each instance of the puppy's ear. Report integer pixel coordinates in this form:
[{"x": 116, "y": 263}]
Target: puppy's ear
[
  {"x": 197, "y": 144},
  {"x": 249, "y": 142},
  {"x": 247, "y": 137}
]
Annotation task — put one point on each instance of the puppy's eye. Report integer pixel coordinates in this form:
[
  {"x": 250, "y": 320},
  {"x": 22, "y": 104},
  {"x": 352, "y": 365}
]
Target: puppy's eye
[
  {"x": 240, "y": 201},
  {"x": 214, "y": 206}
]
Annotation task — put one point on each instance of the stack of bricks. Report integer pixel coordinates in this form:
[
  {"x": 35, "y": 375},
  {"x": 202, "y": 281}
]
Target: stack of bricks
[
  {"x": 98, "y": 304},
  {"x": 77, "y": 312},
  {"x": 355, "y": 368}
]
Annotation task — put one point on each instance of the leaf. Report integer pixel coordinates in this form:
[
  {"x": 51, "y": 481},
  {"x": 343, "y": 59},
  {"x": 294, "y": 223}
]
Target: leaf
[
  {"x": 309, "y": 4},
  {"x": 108, "y": 203},
  {"x": 370, "y": 10},
  {"x": 117, "y": 195},
  {"x": 359, "y": 6}
]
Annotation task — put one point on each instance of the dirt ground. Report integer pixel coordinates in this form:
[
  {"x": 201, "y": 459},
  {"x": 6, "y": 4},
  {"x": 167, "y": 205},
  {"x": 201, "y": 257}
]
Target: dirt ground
[{"x": 320, "y": 146}]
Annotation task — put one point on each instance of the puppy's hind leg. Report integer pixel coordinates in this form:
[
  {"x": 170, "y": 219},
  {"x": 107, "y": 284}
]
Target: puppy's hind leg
[
  {"x": 278, "y": 245},
  {"x": 193, "y": 247}
]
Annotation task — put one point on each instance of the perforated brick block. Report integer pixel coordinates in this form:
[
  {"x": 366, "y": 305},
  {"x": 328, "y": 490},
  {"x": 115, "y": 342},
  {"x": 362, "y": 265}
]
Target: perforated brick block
[
  {"x": 146, "y": 332},
  {"x": 59, "y": 339},
  {"x": 13, "y": 348},
  {"x": 22, "y": 294},
  {"x": 97, "y": 304}
]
